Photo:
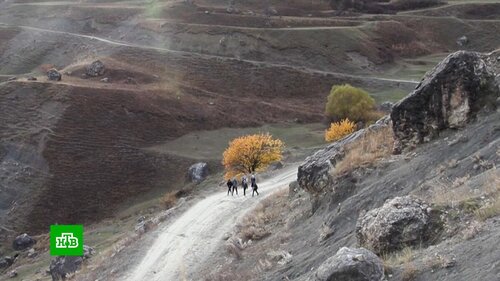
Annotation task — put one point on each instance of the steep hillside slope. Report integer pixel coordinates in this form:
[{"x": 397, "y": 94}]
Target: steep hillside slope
[{"x": 340, "y": 188}]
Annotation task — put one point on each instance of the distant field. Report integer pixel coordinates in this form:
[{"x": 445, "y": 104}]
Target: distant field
[{"x": 210, "y": 144}]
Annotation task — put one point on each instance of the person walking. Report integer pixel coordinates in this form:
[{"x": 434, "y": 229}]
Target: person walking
[
  {"x": 254, "y": 185},
  {"x": 235, "y": 186},
  {"x": 244, "y": 183},
  {"x": 229, "y": 186}
]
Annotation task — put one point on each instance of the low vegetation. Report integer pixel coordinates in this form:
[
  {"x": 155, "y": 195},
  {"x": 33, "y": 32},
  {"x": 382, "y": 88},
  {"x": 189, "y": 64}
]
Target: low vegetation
[
  {"x": 248, "y": 154},
  {"x": 346, "y": 101},
  {"x": 366, "y": 151},
  {"x": 339, "y": 130}
]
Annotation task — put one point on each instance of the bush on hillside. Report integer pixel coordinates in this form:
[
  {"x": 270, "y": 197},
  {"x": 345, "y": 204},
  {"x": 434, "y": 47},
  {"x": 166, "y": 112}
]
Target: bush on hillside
[
  {"x": 339, "y": 130},
  {"x": 346, "y": 101}
]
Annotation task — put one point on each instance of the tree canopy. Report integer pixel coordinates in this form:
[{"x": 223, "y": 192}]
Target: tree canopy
[{"x": 251, "y": 153}]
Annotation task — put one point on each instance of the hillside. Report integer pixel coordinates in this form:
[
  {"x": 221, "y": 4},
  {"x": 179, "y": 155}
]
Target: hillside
[{"x": 149, "y": 88}]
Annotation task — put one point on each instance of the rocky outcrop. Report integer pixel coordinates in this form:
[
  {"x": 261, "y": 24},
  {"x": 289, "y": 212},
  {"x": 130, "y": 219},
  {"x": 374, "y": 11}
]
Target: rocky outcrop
[
  {"x": 351, "y": 264},
  {"x": 22, "y": 242},
  {"x": 198, "y": 172},
  {"x": 400, "y": 222},
  {"x": 448, "y": 97},
  {"x": 95, "y": 69},
  {"x": 315, "y": 173},
  {"x": 54, "y": 75},
  {"x": 61, "y": 267}
]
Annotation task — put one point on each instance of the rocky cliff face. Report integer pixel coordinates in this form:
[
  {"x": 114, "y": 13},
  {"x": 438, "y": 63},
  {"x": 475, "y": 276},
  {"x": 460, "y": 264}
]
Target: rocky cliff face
[
  {"x": 438, "y": 201},
  {"x": 449, "y": 96}
]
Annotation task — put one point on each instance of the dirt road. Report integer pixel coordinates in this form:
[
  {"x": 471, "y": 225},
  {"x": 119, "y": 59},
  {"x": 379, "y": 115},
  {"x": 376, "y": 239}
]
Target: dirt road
[{"x": 183, "y": 246}]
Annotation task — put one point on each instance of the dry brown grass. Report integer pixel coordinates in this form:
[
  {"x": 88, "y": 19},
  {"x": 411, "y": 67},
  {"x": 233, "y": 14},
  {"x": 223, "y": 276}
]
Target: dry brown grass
[
  {"x": 255, "y": 225},
  {"x": 169, "y": 199},
  {"x": 367, "y": 151}
]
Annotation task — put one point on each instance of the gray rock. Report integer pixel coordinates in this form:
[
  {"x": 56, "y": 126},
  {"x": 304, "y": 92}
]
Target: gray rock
[
  {"x": 353, "y": 264},
  {"x": 105, "y": 80},
  {"x": 32, "y": 253},
  {"x": 6, "y": 261},
  {"x": 12, "y": 274},
  {"x": 386, "y": 107},
  {"x": 88, "y": 252},
  {"x": 61, "y": 267},
  {"x": 31, "y": 78},
  {"x": 276, "y": 165},
  {"x": 54, "y": 75},
  {"x": 449, "y": 96},
  {"x": 198, "y": 172},
  {"x": 22, "y": 242},
  {"x": 315, "y": 173},
  {"x": 12, "y": 78},
  {"x": 400, "y": 222},
  {"x": 95, "y": 69},
  {"x": 462, "y": 41}
]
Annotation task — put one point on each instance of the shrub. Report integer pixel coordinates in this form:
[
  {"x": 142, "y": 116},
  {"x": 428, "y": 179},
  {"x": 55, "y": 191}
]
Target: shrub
[
  {"x": 346, "y": 101},
  {"x": 339, "y": 130},
  {"x": 169, "y": 199}
]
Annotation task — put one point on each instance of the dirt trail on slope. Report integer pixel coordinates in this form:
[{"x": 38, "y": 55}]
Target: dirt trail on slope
[{"x": 183, "y": 246}]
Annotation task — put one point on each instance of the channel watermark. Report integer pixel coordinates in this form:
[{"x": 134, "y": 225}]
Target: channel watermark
[{"x": 66, "y": 240}]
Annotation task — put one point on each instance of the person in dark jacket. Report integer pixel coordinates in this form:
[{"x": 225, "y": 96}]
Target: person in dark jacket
[
  {"x": 244, "y": 182},
  {"x": 229, "y": 186},
  {"x": 254, "y": 185},
  {"x": 235, "y": 186}
]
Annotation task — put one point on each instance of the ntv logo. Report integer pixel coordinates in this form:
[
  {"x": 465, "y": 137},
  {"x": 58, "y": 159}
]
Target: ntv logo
[{"x": 66, "y": 240}]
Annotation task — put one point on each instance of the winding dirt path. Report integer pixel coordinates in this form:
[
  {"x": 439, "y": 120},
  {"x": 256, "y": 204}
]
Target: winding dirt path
[{"x": 183, "y": 246}]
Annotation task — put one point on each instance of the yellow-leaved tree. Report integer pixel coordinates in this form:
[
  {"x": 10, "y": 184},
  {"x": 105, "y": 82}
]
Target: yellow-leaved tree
[{"x": 252, "y": 153}]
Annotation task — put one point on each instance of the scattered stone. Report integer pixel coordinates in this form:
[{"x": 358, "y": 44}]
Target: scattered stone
[
  {"x": 449, "y": 96},
  {"x": 462, "y": 41},
  {"x": 276, "y": 165},
  {"x": 141, "y": 219},
  {"x": 400, "y": 222},
  {"x": 281, "y": 257},
  {"x": 271, "y": 11},
  {"x": 61, "y": 267},
  {"x": 22, "y": 242},
  {"x": 386, "y": 107},
  {"x": 95, "y": 69},
  {"x": 198, "y": 172},
  {"x": 12, "y": 274},
  {"x": 223, "y": 41},
  {"x": 459, "y": 139},
  {"x": 54, "y": 75},
  {"x": 325, "y": 232},
  {"x": 353, "y": 264},
  {"x": 88, "y": 252},
  {"x": 7, "y": 261},
  {"x": 211, "y": 103},
  {"x": 105, "y": 80},
  {"x": 12, "y": 78},
  {"x": 31, "y": 78},
  {"x": 32, "y": 253}
]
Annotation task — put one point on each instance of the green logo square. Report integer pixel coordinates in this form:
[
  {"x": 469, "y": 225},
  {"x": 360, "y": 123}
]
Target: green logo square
[{"x": 66, "y": 240}]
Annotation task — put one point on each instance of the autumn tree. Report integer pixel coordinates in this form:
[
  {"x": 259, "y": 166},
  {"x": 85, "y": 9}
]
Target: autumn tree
[{"x": 252, "y": 153}]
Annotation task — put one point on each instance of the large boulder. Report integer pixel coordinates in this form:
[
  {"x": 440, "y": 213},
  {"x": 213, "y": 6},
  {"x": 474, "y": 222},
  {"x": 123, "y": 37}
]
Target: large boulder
[
  {"x": 400, "y": 222},
  {"x": 198, "y": 172},
  {"x": 351, "y": 264},
  {"x": 314, "y": 175},
  {"x": 22, "y": 242},
  {"x": 54, "y": 75},
  {"x": 62, "y": 266},
  {"x": 447, "y": 97},
  {"x": 95, "y": 69}
]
